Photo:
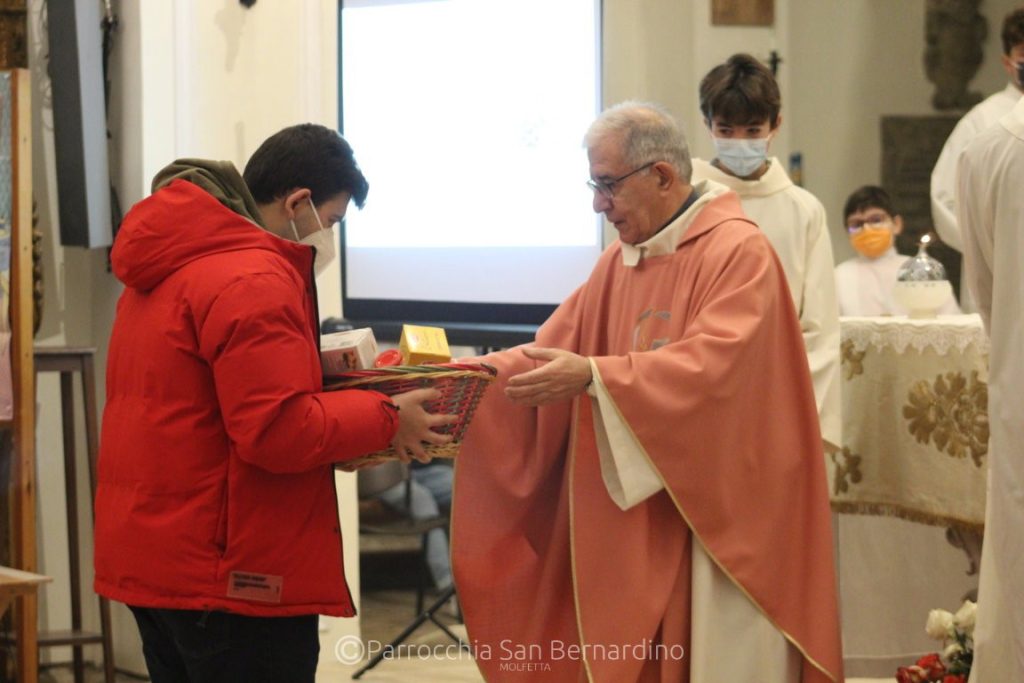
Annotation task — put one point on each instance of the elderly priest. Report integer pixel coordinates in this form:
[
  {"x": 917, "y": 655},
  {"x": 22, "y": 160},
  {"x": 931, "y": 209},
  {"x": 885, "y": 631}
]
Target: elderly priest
[{"x": 646, "y": 500}]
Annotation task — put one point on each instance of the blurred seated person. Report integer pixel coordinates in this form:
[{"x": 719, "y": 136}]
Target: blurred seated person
[
  {"x": 864, "y": 283},
  {"x": 430, "y": 487}
]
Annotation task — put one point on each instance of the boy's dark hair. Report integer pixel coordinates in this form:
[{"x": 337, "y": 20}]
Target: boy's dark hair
[
  {"x": 868, "y": 197},
  {"x": 740, "y": 92},
  {"x": 1013, "y": 30},
  {"x": 307, "y": 155}
]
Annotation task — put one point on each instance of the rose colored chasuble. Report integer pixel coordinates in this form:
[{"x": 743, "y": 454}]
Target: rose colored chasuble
[{"x": 699, "y": 357}]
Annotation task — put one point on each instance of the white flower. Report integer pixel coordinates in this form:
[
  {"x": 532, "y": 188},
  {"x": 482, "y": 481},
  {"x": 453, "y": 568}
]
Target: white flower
[
  {"x": 940, "y": 624},
  {"x": 964, "y": 617},
  {"x": 952, "y": 650}
]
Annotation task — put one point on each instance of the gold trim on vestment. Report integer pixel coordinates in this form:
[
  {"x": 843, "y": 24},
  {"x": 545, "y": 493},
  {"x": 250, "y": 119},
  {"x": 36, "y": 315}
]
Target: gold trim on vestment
[
  {"x": 451, "y": 554},
  {"x": 570, "y": 459},
  {"x": 742, "y": 589}
]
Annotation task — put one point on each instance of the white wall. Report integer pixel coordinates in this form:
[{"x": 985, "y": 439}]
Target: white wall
[
  {"x": 844, "y": 66},
  {"x": 660, "y": 50},
  {"x": 645, "y": 45},
  {"x": 849, "y": 64}
]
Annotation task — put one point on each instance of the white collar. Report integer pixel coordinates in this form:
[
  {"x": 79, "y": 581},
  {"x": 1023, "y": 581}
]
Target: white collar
[{"x": 666, "y": 240}]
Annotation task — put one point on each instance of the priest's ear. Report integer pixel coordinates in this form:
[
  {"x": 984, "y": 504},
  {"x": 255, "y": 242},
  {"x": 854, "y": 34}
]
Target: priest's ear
[{"x": 666, "y": 173}]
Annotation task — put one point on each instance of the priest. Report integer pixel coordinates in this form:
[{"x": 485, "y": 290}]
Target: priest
[{"x": 643, "y": 498}]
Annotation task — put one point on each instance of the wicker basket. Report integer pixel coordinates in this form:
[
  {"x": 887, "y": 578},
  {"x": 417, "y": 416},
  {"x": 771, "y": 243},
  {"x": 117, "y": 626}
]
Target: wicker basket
[{"x": 461, "y": 385}]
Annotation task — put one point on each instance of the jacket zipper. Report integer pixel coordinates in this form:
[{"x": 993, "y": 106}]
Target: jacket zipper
[
  {"x": 334, "y": 484},
  {"x": 341, "y": 544},
  {"x": 316, "y": 308}
]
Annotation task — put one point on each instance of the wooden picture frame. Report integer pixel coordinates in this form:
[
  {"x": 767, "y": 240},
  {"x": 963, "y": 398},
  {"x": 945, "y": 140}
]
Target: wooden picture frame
[{"x": 742, "y": 12}]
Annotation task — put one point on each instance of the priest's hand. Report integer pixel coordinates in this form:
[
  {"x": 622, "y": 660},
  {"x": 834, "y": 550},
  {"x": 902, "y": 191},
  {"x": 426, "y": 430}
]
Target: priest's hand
[{"x": 565, "y": 375}]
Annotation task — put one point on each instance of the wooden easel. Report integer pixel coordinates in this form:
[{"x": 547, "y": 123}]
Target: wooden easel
[{"x": 16, "y": 91}]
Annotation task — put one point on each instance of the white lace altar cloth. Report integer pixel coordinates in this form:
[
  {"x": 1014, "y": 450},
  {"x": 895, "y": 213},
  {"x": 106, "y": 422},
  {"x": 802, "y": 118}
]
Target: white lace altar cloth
[{"x": 915, "y": 420}]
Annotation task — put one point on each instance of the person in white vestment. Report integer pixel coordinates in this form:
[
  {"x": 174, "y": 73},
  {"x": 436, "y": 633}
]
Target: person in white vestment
[
  {"x": 740, "y": 102},
  {"x": 981, "y": 117},
  {"x": 990, "y": 209},
  {"x": 864, "y": 283}
]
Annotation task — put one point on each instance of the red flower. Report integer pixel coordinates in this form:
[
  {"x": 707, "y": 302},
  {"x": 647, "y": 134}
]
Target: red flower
[
  {"x": 927, "y": 669},
  {"x": 932, "y": 666},
  {"x": 911, "y": 674}
]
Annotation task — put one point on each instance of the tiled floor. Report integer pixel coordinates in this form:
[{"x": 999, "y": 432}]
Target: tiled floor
[
  {"x": 432, "y": 657},
  {"x": 384, "y": 615}
]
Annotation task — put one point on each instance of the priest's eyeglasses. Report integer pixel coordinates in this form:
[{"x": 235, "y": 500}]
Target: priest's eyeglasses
[
  {"x": 874, "y": 221},
  {"x": 606, "y": 188}
]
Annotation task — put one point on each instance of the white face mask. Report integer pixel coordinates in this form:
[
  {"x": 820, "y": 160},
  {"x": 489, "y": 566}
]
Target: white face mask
[
  {"x": 741, "y": 156},
  {"x": 321, "y": 240}
]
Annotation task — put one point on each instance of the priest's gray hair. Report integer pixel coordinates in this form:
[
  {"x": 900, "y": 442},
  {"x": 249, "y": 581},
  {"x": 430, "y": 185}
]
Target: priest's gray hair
[{"x": 650, "y": 134}]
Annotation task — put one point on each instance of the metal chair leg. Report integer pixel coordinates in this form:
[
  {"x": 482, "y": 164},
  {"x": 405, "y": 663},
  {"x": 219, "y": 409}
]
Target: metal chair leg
[{"x": 426, "y": 615}]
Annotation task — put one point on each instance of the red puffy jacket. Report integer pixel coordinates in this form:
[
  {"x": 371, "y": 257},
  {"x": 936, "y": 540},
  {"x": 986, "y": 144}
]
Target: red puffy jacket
[{"x": 216, "y": 487}]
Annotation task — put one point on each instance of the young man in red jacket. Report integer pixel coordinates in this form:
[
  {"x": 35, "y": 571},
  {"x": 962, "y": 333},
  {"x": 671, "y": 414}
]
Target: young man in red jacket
[{"x": 216, "y": 512}]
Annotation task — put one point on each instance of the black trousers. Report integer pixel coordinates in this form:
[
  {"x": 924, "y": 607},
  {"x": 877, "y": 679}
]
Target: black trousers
[{"x": 184, "y": 646}]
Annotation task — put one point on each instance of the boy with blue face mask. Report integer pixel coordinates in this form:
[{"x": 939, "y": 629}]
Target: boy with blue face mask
[{"x": 740, "y": 103}]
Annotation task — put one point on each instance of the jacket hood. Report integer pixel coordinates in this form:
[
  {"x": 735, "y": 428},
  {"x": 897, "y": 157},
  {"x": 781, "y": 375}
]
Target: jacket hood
[
  {"x": 197, "y": 208},
  {"x": 218, "y": 178}
]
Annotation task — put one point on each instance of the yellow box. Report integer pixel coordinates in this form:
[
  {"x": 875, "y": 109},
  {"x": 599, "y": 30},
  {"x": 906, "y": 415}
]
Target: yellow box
[{"x": 421, "y": 344}]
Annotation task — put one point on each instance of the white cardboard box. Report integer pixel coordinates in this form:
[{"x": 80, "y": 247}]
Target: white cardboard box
[{"x": 350, "y": 350}]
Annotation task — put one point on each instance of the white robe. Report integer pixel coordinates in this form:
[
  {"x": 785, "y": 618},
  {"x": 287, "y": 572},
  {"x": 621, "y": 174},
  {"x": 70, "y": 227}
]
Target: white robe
[
  {"x": 864, "y": 286},
  {"x": 943, "y": 186},
  {"x": 794, "y": 222},
  {"x": 990, "y": 208}
]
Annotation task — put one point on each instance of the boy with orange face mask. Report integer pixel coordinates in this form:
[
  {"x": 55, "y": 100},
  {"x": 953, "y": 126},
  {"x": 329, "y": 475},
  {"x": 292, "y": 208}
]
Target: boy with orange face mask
[{"x": 864, "y": 283}]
